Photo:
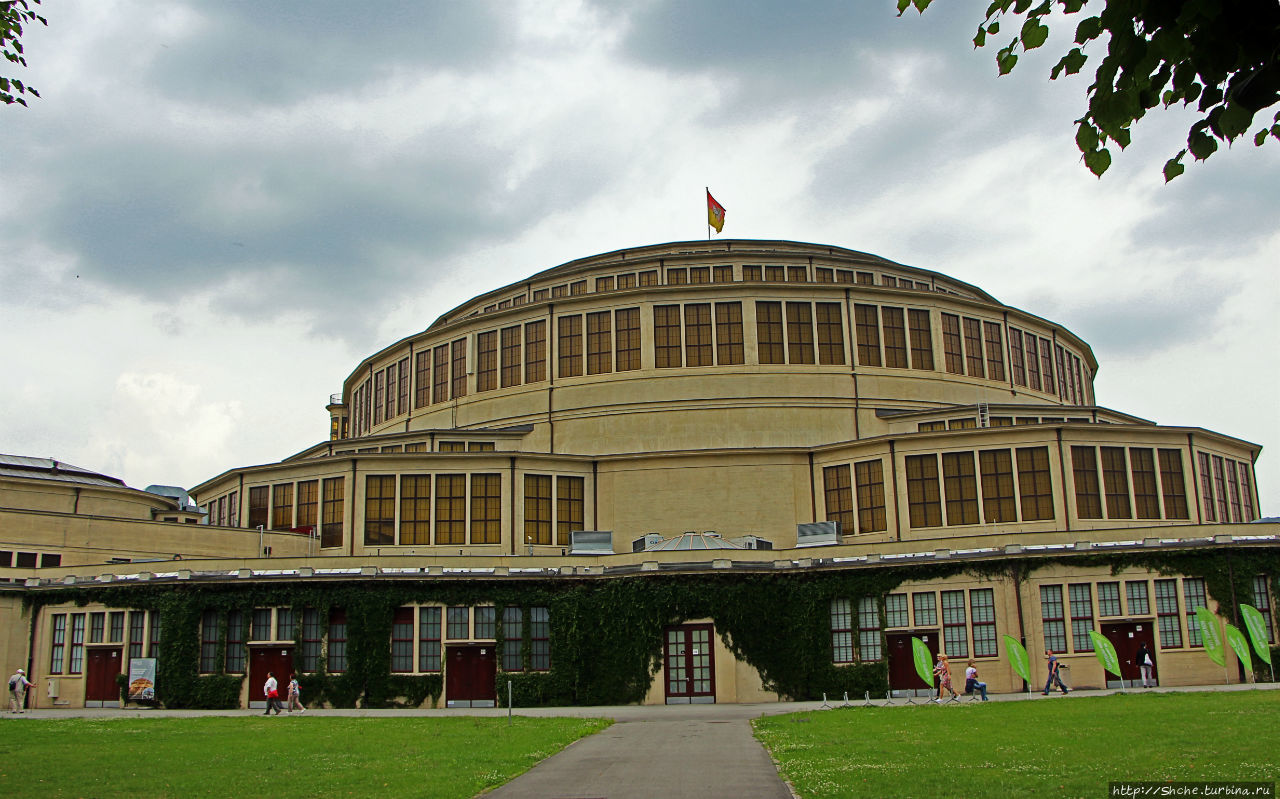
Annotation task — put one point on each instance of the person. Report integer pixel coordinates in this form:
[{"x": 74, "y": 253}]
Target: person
[
  {"x": 1054, "y": 674},
  {"x": 943, "y": 672},
  {"x": 273, "y": 695},
  {"x": 1147, "y": 664},
  {"x": 295, "y": 694},
  {"x": 18, "y": 685},
  {"x": 971, "y": 683}
]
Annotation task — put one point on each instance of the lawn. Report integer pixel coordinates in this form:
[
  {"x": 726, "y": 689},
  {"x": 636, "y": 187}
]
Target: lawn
[
  {"x": 278, "y": 757},
  {"x": 1051, "y": 747}
]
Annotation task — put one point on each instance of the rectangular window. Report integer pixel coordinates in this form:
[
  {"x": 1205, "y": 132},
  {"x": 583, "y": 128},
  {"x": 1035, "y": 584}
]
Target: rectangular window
[
  {"x": 512, "y": 639},
  {"x": 76, "y": 661},
  {"x": 259, "y": 499},
  {"x": 841, "y": 631},
  {"x": 869, "y": 477},
  {"x": 429, "y": 639},
  {"x": 1046, "y": 365},
  {"x": 1109, "y": 599},
  {"x": 336, "y": 663},
  {"x": 260, "y": 625},
  {"x": 599, "y": 343},
  {"x": 895, "y": 611},
  {"x": 1033, "y": 363},
  {"x": 451, "y": 509},
  {"x": 1136, "y": 593},
  {"x": 569, "y": 507},
  {"x": 973, "y": 348},
  {"x": 486, "y": 626},
  {"x": 282, "y": 506},
  {"x": 1193, "y": 595},
  {"x": 458, "y": 376},
  {"x": 1054, "y": 625},
  {"x": 310, "y": 640},
  {"x": 799, "y": 332},
  {"x": 1233, "y": 491},
  {"x": 604, "y": 284},
  {"x": 578, "y": 287},
  {"x": 379, "y": 390},
  {"x": 954, "y": 625},
  {"x": 752, "y": 273},
  {"x": 1063, "y": 393},
  {"x": 308, "y": 504},
  {"x": 824, "y": 275},
  {"x": 331, "y": 512},
  {"x": 869, "y": 649},
  {"x": 895, "y": 337},
  {"x": 1115, "y": 483},
  {"x": 58, "y": 643},
  {"x": 393, "y": 391},
  {"x": 415, "y": 509},
  {"x": 627, "y": 338},
  {"x": 402, "y": 640},
  {"x": 722, "y": 274},
  {"x": 535, "y": 352},
  {"x": 627, "y": 281},
  {"x": 830, "y": 333},
  {"x": 666, "y": 336},
  {"x": 486, "y": 508},
  {"x": 153, "y": 645},
  {"x": 926, "y": 609},
  {"x": 951, "y": 346},
  {"x": 137, "y": 632},
  {"x": 1084, "y": 468},
  {"x": 1246, "y": 492},
  {"x": 866, "y": 325},
  {"x": 774, "y": 274},
  {"x": 1146, "y": 499},
  {"x": 995, "y": 350},
  {"x": 569, "y": 346},
  {"x": 285, "y": 624},
  {"x": 797, "y": 274},
  {"x": 208, "y": 642},
  {"x": 729, "y": 348},
  {"x": 677, "y": 276},
  {"x": 1168, "y": 620},
  {"x": 982, "y": 607},
  {"x": 1081, "y": 616},
  {"x": 537, "y": 509},
  {"x": 97, "y": 621},
  {"x": 539, "y": 639},
  {"x": 380, "y": 510},
  {"x": 1262, "y": 601},
  {"x": 649, "y": 277},
  {"x": 458, "y": 627},
  {"x": 839, "y": 496},
  {"x": 921, "y": 339},
  {"x": 923, "y": 499},
  {"x": 440, "y": 373},
  {"x": 697, "y": 330},
  {"x": 769, "y": 332},
  {"x": 402, "y": 396},
  {"x": 700, "y": 274},
  {"x": 511, "y": 361},
  {"x": 236, "y": 650},
  {"x": 961, "y": 487},
  {"x": 487, "y": 360},
  {"x": 1206, "y": 488},
  {"x": 998, "y": 503},
  {"x": 1016, "y": 367},
  {"x": 1034, "y": 483}
]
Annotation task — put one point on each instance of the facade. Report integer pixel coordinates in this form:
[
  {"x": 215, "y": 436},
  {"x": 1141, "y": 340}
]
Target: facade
[{"x": 785, "y": 423}]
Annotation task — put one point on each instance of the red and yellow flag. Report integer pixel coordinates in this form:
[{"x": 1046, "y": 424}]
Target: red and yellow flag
[{"x": 715, "y": 212}]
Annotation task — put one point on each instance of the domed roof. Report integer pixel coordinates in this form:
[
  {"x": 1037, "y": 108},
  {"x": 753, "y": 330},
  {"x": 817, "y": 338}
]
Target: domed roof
[{"x": 692, "y": 540}]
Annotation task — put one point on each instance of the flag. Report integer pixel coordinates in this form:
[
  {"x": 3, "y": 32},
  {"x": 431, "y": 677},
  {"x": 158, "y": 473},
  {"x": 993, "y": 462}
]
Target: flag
[
  {"x": 1210, "y": 635},
  {"x": 1106, "y": 653},
  {"x": 922, "y": 656},
  {"x": 1256, "y": 625},
  {"x": 715, "y": 212},
  {"x": 1018, "y": 657},
  {"x": 1239, "y": 645}
]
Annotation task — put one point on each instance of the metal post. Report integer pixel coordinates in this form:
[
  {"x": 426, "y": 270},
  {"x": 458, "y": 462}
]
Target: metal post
[{"x": 508, "y": 703}]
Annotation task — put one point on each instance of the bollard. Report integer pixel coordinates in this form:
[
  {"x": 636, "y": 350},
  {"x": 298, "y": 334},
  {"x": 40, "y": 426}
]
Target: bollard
[
  {"x": 824, "y": 701},
  {"x": 508, "y": 703}
]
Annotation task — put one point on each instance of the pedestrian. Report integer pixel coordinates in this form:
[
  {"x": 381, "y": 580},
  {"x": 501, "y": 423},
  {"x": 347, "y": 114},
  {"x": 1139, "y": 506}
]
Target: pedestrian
[
  {"x": 295, "y": 694},
  {"x": 1147, "y": 664},
  {"x": 18, "y": 685},
  {"x": 269, "y": 689},
  {"x": 971, "y": 683},
  {"x": 1055, "y": 676},
  {"x": 943, "y": 672}
]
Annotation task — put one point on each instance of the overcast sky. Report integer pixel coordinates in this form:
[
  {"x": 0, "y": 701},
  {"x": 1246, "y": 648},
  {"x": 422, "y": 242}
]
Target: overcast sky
[{"x": 219, "y": 207}]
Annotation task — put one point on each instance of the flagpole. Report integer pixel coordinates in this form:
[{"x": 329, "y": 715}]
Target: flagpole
[{"x": 708, "y": 188}]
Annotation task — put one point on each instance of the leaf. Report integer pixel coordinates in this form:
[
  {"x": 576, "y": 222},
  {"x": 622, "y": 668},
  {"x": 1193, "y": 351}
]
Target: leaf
[
  {"x": 1098, "y": 161},
  {"x": 1201, "y": 144},
  {"x": 902, "y": 6},
  {"x": 1173, "y": 167},
  {"x": 1087, "y": 137},
  {"x": 1072, "y": 6},
  {"x": 1088, "y": 29},
  {"x": 1122, "y": 137},
  {"x": 1074, "y": 60},
  {"x": 981, "y": 38},
  {"x": 1235, "y": 120},
  {"x": 994, "y": 28},
  {"x": 1259, "y": 137},
  {"x": 1034, "y": 34}
]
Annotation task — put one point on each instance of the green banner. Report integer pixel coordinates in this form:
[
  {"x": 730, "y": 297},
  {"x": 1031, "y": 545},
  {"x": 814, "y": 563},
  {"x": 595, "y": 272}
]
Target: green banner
[
  {"x": 924, "y": 660},
  {"x": 1211, "y": 636},
  {"x": 1256, "y": 626},
  {"x": 1238, "y": 644},
  {"x": 1106, "y": 653},
  {"x": 1018, "y": 657}
]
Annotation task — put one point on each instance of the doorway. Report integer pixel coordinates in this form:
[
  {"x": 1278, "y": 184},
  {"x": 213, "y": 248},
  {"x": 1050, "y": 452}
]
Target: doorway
[
  {"x": 101, "y": 668},
  {"x": 903, "y": 679},
  {"x": 274, "y": 659},
  {"x": 1126, "y": 637},
  {"x": 469, "y": 676},
  {"x": 689, "y": 665}
]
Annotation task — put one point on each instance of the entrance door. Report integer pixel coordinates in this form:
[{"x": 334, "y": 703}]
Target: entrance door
[
  {"x": 469, "y": 676},
  {"x": 902, "y": 661},
  {"x": 1126, "y": 637},
  {"x": 100, "y": 688},
  {"x": 275, "y": 659},
  {"x": 690, "y": 665}
]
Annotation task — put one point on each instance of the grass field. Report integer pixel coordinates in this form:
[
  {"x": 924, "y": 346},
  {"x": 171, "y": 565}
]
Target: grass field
[
  {"x": 1053, "y": 747},
  {"x": 277, "y": 757}
]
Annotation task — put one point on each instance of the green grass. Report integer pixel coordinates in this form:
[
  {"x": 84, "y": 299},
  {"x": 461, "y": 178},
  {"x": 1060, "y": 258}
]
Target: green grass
[
  {"x": 276, "y": 757},
  {"x": 1051, "y": 747}
]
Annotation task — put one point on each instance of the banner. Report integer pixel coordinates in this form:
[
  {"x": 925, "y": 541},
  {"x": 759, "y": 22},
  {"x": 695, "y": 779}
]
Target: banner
[
  {"x": 142, "y": 680},
  {"x": 1238, "y": 644},
  {"x": 1211, "y": 635},
  {"x": 924, "y": 660},
  {"x": 1018, "y": 657},
  {"x": 1106, "y": 653},
  {"x": 1256, "y": 626}
]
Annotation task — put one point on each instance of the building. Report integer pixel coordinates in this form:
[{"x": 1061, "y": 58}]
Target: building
[{"x": 698, "y": 471}]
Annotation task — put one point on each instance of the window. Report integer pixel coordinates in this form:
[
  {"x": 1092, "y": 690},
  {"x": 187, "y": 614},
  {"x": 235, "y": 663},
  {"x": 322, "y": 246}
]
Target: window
[
  {"x": 459, "y": 623},
  {"x": 337, "y": 659},
  {"x": 282, "y": 506},
  {"x": 769, "y": 332},
  {"x": 1016, "y": 367},
  {"x": 541, "y": 294},
  {"x": 510, "y": 356},
  {"x": 951, "y": 347},
  {"x": 599, "y": 343},
  {"x": 666, "y": 336},
  {"x": 308, "y": 491},
  {"x": 535, "y": 352},
  {"x": 1136, "y": 592},
  {"x": 415, "y": 509},
  {"x": 923, "y": 500},
  {"x": 208, "y": 642},
  {"x": 954, "y": 626},
  {"x": 797, "y": 274},
  {"x": 799, "y": 332},
  {"x": 459, "y": 367},
  {"x": 995, "y": 351},
  {"x": 841, "y": 631},
  {"x": 539, "y": 639},
  {"x": 921, "y": 339},
  {"x": 440, "y": 374},
  {"x": 998, "y": 503},
  {"x": 486, "y": 508},
  {"x": 236, "y": 650},
  {"x": 839, "y": 496},
  {"x": 512, "y": 638},
  {"x": 429, "y": 639},
  {"x": 868, "y": 630},
  {"x": 1194, "y": 596},
  {"x": 451, "y": 509},
  {"x": 578, "y": 287},
  {"x": 402, "y": 640},
  {"x": 1115, "y": 483},
  {"x": 569, "y": 348},
  {"x": 824, "y": 275},
  {"x": 961, "y": 487},
  {"x": 604, "y": 284},
  {"x": 310, "y": 640},
  {"x": 1206, "y": 487},
  {"x": 895, "y": 338},
  {"x": 866, "y": 279},
  {"x": 627, "y": 281},
  {"x": 1142, "y": 466},
  {"x": 1055, "y": 631},
  {"x": 1109, "y": 599},
  {"x": 96, "y": 623},
  {"x": 487, "y": 360},
  {"x": 137, "y": 632},
  {"x": 537, "y": 509},
  {"x": 1034, "y": 483},
  {"x": 76, "y": 661},
  {"x": 774, "y": 274},
  {"x": 699, "y": 274},
  {"x": 729, "y": 349},
  {"x": 258, "y": 499},
  {"x": 926, "y": 609},
  {"x": 1233, "y": 491},
  {"x": 973, "y": 347},
  {"x": 1168, "y": 621},
  {"x": 402, "y": 396},
  {"x": 895, "y": 611},
  {"x": 331, "y": 513},
  {"x": 58, "y": 641},
  {"x": 867, "y": 332},
  {"x": 285, "y": 624},
  {"x": 380, "y": 510},
  {"x": 870, "y": 483},
  {"x": 982, "y": 607},
  {"x": 752, "y": 272},
  {"x": 260, "y": 625},
  {"x": 569, "y": 507},
  {"x": 723, "y": 274},
  {"x": 677, "y": 276},
  {"x": 1084, "y": 468},
  {"x": 153, "y": 646},
  {"x": 627, "y": 324},
  {"x": 1246, "y": 493},
  {"x": 649, "y": 278},
  {"x": 1262, "y": 601},
  {"x": 830, "y": 333},
  {"x": 1081, "y": 598},
  {"x": 560, "y": 291},
  {"x": 697, "y": 331},
  {"x": 1033, "y": 363},
  {"x": 1046, "y": 365},
  {"x": 379, "y": 390}
]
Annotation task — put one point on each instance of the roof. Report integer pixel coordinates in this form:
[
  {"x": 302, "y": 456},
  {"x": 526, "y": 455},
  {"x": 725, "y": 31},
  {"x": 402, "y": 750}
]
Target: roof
[
  {"x": 692, "y": 541},
  {"x": 51, "y": 469}
]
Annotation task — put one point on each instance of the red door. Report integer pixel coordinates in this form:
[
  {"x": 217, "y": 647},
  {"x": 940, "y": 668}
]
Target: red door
[
  {"x": 100, "y": 677},
  {"x": 690, "y": 665},
  {"x": 275, "y": 659},
  {"x": 1126, "y": 637},
  {"x": 902, "y": 661},
  {"x": 469, "y": 676}
]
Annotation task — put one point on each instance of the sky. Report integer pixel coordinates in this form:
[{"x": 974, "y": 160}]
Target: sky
[{"x": 219, "y": 207}]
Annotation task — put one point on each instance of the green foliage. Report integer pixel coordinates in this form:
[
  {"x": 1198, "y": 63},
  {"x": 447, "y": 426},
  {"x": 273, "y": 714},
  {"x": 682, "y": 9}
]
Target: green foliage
[
  {"x": 1222, "y": 57},
  {"x": 14, "y": 15}
]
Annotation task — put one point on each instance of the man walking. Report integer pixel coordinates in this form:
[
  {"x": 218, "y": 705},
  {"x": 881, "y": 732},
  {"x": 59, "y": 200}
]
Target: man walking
[
  {"x": 18, "y": 685},
  {"x": 1054, "y": 675}
]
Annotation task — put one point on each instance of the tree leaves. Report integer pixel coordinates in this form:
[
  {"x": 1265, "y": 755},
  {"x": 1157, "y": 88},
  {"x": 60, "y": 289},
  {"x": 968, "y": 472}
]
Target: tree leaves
[{"x": 14, "y": 14}]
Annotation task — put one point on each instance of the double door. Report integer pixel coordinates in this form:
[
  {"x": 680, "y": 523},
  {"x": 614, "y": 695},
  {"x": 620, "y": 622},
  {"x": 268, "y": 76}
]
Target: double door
[{"x": 689, "y": 664}]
